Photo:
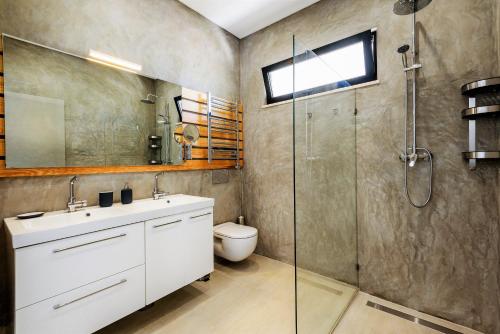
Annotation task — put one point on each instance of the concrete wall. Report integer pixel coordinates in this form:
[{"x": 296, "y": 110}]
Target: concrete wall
[
  {"x": 165, "y": 37},
  {"x": 443, "y": 259}
]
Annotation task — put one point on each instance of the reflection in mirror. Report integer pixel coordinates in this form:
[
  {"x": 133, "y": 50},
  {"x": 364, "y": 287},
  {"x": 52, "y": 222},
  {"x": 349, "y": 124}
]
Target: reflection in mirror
[
  {"x": 63, "y": 110},
  {"x": 185, "y": 135},
  {"x": 191, "y": 134},
  {"x": 164, "y": 102}
]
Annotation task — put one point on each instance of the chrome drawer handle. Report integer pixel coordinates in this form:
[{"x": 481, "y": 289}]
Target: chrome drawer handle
[
  {"x": 205, "y": 214},
  {"x": 58, "y": 306},
  {"x": 88, "y": 243},
  {"x": 169, "y": 223}
]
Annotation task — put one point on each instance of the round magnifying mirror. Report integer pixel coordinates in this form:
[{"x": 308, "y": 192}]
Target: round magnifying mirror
[
  {"x": 191, "y": 133},
  {"x": 178, "y": 133}
]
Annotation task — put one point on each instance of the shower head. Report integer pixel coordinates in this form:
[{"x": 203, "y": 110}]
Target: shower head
[
  {"x": 149, "y": 99},
  {"x": 403, "y": 49},
  {"x": 405, "y": 7}
]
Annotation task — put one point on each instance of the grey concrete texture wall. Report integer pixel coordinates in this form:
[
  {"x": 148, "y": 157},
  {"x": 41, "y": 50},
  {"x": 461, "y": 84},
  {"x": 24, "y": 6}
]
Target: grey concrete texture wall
[
  {"x": 105, "y": 122},
  {"x": 443, "y": 259},
  {"x": 171, "y": 41}
]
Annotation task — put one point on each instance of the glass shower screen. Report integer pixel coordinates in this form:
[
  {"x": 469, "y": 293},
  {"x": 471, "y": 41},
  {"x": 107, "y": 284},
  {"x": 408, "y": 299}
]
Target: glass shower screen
[{"x": 325, "y": 193}]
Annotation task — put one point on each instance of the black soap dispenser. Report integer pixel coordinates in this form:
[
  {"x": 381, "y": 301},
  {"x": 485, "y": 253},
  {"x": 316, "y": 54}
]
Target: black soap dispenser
[{"x": 126, "y": 196}]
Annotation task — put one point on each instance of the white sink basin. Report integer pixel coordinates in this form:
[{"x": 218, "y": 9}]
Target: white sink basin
[{"x": 61, "y": 224}]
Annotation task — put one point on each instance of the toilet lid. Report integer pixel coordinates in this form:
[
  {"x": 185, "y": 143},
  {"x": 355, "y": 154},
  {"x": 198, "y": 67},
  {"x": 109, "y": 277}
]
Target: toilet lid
[{"x": 235, "y": 231}]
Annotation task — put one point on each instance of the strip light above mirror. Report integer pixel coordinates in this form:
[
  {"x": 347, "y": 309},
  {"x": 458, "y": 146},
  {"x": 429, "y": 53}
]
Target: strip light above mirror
[{"x": 108, "y": 60}]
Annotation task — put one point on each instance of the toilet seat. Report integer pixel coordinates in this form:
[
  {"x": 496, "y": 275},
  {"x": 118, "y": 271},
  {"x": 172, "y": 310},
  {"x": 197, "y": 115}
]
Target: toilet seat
[{"x": 234, "y": 231}]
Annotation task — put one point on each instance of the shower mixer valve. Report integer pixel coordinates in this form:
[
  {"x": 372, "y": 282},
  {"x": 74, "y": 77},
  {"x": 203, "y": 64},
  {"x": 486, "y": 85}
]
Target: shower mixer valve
[{"x": 414, "y": 157}]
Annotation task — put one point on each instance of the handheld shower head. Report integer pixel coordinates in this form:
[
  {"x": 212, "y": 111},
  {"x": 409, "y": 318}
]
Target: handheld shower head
[
  {"x": 403, "y": 49},
  {"x": 162, "y": 119}
]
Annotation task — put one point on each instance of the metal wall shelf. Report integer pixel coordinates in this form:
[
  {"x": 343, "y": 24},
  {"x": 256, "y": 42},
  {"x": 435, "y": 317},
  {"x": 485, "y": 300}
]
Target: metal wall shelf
[
  {"x": 490, "y": 85},
  {"x": 482, "y": 155},
  {"x": 471, "y": 90},
  {"x": 485, "y": 111},
  {"x": 154, "y": 146}
]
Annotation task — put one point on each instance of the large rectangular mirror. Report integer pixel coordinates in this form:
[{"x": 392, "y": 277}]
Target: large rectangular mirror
[{"x": 63, "y": 110}]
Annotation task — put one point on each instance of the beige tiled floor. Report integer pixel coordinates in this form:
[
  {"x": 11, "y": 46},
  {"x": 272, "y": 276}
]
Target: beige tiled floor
[
  {"x": 254, "y": 297},
  {"x": 257, "y": 297}
]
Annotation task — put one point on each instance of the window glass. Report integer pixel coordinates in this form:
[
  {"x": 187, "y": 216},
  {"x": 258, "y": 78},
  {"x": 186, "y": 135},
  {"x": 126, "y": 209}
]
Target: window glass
[{"x": 339, "y": 64}]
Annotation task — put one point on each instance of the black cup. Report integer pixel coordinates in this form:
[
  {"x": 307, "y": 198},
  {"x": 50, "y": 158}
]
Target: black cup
[{"x": 105, "y": 198}]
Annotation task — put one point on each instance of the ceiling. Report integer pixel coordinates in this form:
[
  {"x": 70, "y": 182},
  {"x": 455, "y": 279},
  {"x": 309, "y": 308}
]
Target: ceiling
[{"x": 244, "y": 17}]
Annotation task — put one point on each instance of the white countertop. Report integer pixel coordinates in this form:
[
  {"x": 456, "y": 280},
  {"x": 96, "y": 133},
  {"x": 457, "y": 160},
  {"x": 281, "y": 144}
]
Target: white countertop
[{"x": 62, "y": 224}]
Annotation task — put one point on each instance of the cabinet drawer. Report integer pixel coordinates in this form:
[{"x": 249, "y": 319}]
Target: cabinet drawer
[
  {"x": 86, "y": 309},
  {"x": 46, "y": 270}
]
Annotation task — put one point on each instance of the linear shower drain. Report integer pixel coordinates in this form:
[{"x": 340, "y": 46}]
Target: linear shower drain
[{"x": 412, "y": 318}]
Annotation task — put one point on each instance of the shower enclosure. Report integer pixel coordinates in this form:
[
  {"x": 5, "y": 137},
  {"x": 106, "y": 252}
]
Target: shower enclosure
[
  {"x": 325, "y": 195},
  {"x": 325, "y": 175}
]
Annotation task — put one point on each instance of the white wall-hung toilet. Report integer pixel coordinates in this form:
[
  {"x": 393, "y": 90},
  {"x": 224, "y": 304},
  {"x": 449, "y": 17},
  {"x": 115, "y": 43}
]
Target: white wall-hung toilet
[{"x": 234, "y": 242}]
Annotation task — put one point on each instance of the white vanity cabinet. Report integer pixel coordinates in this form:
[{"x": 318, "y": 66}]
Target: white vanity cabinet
[
  {"x": 179, "y": 250},
  {"x": 79, "y": 272}
]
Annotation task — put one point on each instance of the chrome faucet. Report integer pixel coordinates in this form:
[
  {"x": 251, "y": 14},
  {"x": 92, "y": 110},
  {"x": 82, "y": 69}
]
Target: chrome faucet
[
  {"x": 157, "y": 193},
  {"x": 73, "y": 204}
]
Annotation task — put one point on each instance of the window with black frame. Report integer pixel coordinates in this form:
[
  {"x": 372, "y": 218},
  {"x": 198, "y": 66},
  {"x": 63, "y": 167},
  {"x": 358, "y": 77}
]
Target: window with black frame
[{"x": 350, "y": 61}]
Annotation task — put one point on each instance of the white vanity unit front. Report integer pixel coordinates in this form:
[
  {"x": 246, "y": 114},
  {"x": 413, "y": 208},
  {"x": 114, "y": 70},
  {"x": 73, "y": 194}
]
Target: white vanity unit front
[{"x": 78, "y": 272}]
